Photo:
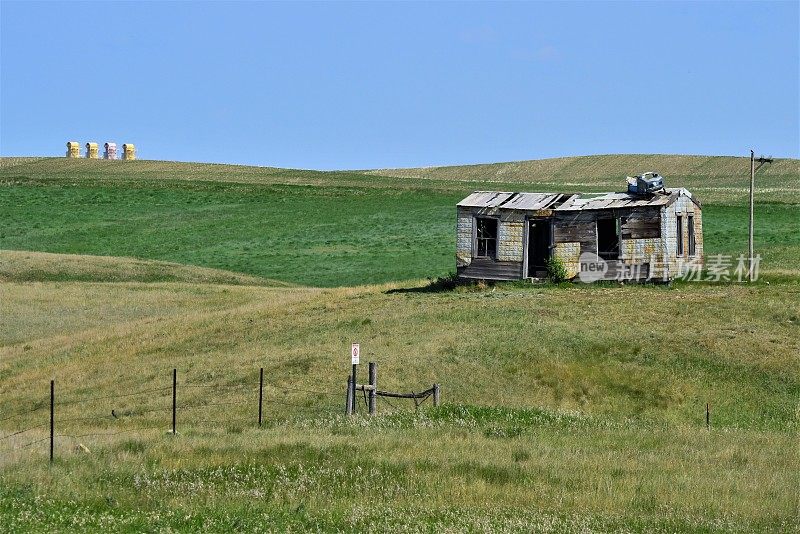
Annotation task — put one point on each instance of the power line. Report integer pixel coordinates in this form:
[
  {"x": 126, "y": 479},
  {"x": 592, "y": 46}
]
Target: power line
[{"x": 762, "y": 160}]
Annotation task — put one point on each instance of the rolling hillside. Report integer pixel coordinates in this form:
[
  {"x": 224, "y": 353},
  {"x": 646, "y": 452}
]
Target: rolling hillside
[
  {"x": 716, "y": 179},
  {"x": 560, "y": 408},
  {"x": 24, "y": 266},
  {"x": 340, "y": 228},
  {"x": 566, "y": 408}
]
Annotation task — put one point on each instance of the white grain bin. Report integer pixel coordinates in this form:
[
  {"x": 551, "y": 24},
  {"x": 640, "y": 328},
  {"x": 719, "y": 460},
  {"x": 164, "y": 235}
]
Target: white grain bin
[{"x": 110, "y": 151}]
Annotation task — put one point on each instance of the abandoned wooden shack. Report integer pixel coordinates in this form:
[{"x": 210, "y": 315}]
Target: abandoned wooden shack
[{"x": 512, "y": 236}]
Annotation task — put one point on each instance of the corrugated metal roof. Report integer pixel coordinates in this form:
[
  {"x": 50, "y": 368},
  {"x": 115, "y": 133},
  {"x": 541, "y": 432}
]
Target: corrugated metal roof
[
  {"x": 485, "y": 199},
  {"x": 538, "y": 201},
  {"x": 616, "y": 200},
  {"x": 531, "y": 201}
]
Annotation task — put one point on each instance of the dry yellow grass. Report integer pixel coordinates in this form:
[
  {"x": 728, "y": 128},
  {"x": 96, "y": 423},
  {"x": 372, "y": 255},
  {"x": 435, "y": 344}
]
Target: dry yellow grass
[
  {"x": 616, "y": 438},
  {"x": 711, "y": 178},
  {"x": 567, "y": 348},
  {"x": 715, "y": 179},
  {"x": 23, "y": 265},
  {"x": 566, "y": 408}
]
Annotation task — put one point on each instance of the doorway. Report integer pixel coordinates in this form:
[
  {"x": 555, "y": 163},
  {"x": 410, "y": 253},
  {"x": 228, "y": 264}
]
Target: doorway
[
  {"x": 608, "y": 238},
  {"x": 538, "y": 247}
]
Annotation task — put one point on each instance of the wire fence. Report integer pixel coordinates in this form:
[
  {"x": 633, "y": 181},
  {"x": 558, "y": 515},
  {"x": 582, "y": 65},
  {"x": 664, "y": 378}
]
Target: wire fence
[
  {"x": 184, "y": 405},
  {"x": 179, "y": 406}
]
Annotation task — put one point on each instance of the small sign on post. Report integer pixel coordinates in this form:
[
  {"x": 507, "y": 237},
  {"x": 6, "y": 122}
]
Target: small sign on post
[{"x": 355, "y": 350}]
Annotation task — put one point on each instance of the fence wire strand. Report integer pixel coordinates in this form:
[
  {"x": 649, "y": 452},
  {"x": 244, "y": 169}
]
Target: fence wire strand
[
  {"x": 18, "y": 432},
  {"x": 227, "y": 422},
  {"x": 205, "y": 404},
  {"x": 25, "y": 412},
  {"x": 312, "y": 391},
  {"x": 282, "y": 397},
  {"x": 136, "y": 413},
  {"x": 116, "y": 396},
  {"x": 221, "y": 387},
  {"x": 25, "y": 446},
  {"x": 95, "y": 434},
  {"x": 34, "y": 442}
]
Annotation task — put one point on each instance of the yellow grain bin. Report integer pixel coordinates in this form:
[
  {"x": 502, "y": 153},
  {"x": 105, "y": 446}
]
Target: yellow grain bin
[
  {"x": 73, "y": 149},
  {"x": 128, "y": 151},
  {"x": 91, "y": 151},
  {"x": 111, "y": 151}
]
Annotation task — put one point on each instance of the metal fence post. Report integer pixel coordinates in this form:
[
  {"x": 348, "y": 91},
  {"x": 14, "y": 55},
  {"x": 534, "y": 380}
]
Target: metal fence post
[
  {"x": 174, "y": 399},
  {"x": 373, "y": 381},
  {"x": 348, "y": 406},
  {"x": 260, "y": 394},
  {"x": 52, "y": 416},
  {"x": 353, "y": 388}
]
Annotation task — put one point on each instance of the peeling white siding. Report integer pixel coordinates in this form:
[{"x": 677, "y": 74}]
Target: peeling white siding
[
  {"x": 463, "y": 238},
  {"x": 672, "y": 263},
  {"x": 569, "y": 254},
  {"x": 659, "y": 253},
  {"x": 510, "y": 239}
]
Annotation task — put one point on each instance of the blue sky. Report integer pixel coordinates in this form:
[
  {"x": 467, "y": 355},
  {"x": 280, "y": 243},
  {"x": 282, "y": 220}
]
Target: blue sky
[{"x": 365, "y": 85}]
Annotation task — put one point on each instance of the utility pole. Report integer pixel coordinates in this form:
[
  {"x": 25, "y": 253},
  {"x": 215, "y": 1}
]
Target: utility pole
[
  {"x": 750, "y": 234},
  {"x": 762, "y": 160}
]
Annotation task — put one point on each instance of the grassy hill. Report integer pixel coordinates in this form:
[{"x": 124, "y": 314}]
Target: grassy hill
[
  {"x": 341, "y": 228},
  {"x": 566, "y": 408},
  {"x": 717, "y": 179},
  {"x": 24, "y": 266},
  {"x": 561, "y": 409}
]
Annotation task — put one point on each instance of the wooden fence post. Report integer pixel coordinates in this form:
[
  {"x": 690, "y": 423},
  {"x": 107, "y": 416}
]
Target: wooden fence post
[
  {"x": 52, "y": 416},
  {"x": 348, "y": 406},
  {"x": 260, "y": 394},
  {"x": 353, "y": 387},
  {"x": 436, "y": 394},
  {"x": 373, "y": 381},
  {"x": 174, "y": 400},
  {"x": 708, "y": 417}
]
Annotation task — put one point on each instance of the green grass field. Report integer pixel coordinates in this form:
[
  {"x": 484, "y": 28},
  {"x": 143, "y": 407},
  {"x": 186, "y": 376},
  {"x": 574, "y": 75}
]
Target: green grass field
[
  {"x": 565, "y": 408},
  {"x": 305, "y": 227}
]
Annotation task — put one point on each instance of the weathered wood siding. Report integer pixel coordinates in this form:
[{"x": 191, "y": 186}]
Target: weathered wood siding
[
  {"x": 582, "y": 231},
  {"x": 640, "y": 243},
  {"x": 641, "y": 223},
  {"x": 510, "y": 244},
  {"x": 640, "y": 240},
  {"x": 574, "y": 234},
  {"x": 648, "y": 240},
  {"x": 487, "y": 269}
]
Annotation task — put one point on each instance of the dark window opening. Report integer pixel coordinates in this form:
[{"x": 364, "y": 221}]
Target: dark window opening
[
  {"x": 690, "y": 232},
  {"x": 486, "y": 238},
  {"x": 679, "y": 233},
  {"x": 608, "y": 238}
]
